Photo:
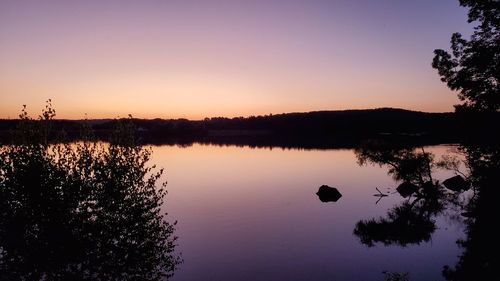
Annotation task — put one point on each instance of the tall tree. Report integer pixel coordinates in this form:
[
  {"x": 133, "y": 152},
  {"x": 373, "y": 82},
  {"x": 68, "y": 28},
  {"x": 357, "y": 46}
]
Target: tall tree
[{"x": 473, "y": 67}]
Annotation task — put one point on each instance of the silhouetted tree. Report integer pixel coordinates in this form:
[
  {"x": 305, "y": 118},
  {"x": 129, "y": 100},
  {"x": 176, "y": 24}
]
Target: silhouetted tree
[
  {"x": 81, "y": 211},
  {"x": 473, "y": 67},
  {"x": 479, "y": 260}
]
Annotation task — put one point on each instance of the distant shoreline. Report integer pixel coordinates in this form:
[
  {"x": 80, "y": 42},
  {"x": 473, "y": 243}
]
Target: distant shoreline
[{"x": 317, "y": 129}]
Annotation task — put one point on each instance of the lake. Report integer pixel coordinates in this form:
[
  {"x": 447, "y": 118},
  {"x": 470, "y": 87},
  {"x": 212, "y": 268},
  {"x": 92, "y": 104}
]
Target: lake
[{"x": 253, "y": 214}]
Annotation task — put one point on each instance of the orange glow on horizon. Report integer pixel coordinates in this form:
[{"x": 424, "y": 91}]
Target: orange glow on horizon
[{"x": 230, "y": 58}]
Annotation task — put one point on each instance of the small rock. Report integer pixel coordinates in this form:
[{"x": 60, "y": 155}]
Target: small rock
[
  {"x": 406, "y": 189},
  {"x": 456, "y": 183},
  {"x": 328, "y": 194}
]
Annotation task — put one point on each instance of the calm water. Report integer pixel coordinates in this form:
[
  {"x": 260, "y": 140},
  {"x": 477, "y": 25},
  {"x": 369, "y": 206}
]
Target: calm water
[{"x": 252, "y": 214}]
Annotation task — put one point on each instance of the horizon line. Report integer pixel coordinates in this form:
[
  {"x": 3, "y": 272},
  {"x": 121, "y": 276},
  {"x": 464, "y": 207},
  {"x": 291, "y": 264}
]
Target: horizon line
[{"x": 244, "y": 117}]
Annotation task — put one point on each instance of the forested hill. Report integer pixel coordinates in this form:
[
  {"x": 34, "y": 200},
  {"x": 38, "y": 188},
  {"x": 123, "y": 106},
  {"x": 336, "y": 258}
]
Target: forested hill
[{"x": 321, "y": 126}]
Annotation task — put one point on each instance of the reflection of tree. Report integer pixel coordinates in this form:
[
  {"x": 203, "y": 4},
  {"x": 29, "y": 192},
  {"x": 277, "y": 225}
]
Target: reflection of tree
[
  {"x": 404, "y": 225},
  {"x": 479, "y": 260},
  {"x": 85, "y": 211},
  {"x": 404, "y": 164},
  {"x": 412, "y": 221}
]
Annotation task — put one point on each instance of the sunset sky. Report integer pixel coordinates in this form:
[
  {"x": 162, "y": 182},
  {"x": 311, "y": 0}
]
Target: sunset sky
[{"x": 196, "y": 59}]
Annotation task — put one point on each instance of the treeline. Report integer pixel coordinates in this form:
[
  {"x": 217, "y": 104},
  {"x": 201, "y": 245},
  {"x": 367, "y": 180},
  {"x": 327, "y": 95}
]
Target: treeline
[{"x": 313, "y": 129}]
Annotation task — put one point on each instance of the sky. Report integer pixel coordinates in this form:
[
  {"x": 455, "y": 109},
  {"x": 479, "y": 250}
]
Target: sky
[{"x": 196, "y": 59}]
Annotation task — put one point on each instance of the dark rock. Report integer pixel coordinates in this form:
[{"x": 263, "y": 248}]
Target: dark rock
[
  {"x": 406, "y": 189},
  {"x": 430, "y": 189},
  {"x": 456, "y": 183},
  {"x": 328, "y": 194}
]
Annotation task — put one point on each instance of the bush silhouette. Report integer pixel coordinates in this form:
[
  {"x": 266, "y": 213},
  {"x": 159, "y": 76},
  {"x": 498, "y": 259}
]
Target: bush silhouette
[{"x": 81, "y": 211}]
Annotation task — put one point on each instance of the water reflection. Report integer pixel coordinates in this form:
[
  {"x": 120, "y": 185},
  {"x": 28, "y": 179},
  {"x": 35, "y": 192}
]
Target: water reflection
[
  {"x": 249, "y": 214},
  {"x": 84, "y": 211},
  {"x": 413, "y": 220},
  {"x": 479, "y": 260}
]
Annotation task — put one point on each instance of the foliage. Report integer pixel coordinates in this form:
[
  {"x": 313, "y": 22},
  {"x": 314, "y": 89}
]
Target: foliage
[
  {"x": 81, "y": 211},
  {"x": 412, "y": 221},
  {"x": 406, "y": 164},
  {"x": 479, "y": 260},
  {"x": 473, "y": 67}
]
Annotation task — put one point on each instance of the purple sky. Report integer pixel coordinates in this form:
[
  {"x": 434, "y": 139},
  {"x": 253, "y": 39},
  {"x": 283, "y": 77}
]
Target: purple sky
[{"x": 200, "y": 59}]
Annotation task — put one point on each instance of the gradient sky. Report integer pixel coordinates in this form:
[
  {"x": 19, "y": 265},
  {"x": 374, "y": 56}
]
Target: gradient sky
[{"x": 197, "y": 59}]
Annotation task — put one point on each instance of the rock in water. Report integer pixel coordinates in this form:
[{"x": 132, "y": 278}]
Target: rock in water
[
  {"x": 328, "y": 194},
  {"x": 456, "y": 183},
  {"x": 430, "y": 189},
  {"x": 406, "y": 189}
]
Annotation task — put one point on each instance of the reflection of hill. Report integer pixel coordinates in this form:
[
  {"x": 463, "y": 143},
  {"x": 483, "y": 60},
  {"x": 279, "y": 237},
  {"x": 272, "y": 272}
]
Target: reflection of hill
[{"x": 321, "y": 129}]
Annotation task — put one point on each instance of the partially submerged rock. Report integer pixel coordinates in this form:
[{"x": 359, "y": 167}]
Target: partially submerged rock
[
  {"x": 328, "y": 194},
  {"x": 456, "y": 183},
  {"x": 429, "y": 189},
  {"x": 406, "y": 189}
]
